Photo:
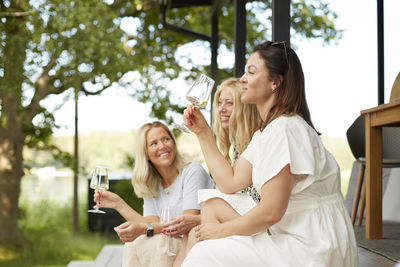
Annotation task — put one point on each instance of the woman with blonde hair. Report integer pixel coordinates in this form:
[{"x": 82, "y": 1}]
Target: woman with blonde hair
[
  {"x": 234, "y": 123},
  {"x": 164, "y": 179}
]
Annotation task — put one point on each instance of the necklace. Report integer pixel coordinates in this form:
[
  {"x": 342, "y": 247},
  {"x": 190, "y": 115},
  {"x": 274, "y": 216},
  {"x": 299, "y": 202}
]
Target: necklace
[{"x": 167, "y": 190}]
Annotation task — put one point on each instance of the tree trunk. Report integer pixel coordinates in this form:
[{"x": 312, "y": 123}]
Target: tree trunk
[
  {"x": 75, "y": 208},
  {"x": 11, "y": 144},
  {"x": 12, "y": 137},
  {"x": 10, "y": 181}
]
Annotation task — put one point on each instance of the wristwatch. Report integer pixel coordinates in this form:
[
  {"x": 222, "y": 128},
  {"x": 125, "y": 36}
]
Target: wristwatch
[{"x": 150, "y": 229}]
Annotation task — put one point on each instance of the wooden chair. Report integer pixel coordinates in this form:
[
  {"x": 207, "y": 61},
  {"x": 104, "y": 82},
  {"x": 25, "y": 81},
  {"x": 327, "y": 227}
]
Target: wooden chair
[{"x": 390, "y": 152}]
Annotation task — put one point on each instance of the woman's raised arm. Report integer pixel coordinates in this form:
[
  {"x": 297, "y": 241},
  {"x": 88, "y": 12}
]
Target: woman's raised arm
[{"x": 228, "y": 179}]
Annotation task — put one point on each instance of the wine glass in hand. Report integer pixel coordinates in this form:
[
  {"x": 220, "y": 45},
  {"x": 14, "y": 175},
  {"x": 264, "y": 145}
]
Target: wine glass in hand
[
  {"x": 167, "y": 213},
  {"x": 198, "y": 95},
  {"x": 99, "y": 181}
]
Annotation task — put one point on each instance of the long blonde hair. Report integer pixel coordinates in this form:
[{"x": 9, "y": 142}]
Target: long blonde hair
[
  {"x": 245, "y": 116},
  {"x": 145, "y": 177}
]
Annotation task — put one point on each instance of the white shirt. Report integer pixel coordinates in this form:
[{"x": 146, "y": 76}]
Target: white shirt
[{"x": 181, "y": 194}]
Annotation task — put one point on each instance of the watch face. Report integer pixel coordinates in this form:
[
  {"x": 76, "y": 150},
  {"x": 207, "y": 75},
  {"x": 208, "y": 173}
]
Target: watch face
[
  {"x": 150, "y": 232},
  {"x": 150, "y": 229}
]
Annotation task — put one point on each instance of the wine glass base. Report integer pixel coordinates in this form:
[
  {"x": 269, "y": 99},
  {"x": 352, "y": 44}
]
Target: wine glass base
[
  {"x": 97, "y": 211},
  {"x": 180, "y": 127}
]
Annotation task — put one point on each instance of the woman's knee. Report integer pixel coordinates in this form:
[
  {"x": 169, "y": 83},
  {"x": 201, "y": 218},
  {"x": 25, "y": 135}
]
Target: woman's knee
[
  {"x": 217, "y": 210},
  {"x": 211, "y": 203},
  {"x": 209, "y": 208}
]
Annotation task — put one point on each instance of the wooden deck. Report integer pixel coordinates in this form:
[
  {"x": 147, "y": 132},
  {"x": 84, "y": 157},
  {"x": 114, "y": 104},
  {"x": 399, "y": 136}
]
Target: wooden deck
[
  {"x": 367, "y": 258},
  {"x": 111, "y": 256}
]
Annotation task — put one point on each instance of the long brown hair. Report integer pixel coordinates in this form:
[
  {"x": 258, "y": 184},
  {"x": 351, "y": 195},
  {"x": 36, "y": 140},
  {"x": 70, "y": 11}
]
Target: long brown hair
[{"x": 282, "y": 61}]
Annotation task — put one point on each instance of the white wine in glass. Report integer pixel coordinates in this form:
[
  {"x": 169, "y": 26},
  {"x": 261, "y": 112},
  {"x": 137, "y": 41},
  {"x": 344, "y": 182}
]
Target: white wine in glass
[
  {"x": 198, "y": 96},
  {"x": 167, "y": 213},
  {"x": 99, "y": 181},
  {"x": 197, "y": 101}
]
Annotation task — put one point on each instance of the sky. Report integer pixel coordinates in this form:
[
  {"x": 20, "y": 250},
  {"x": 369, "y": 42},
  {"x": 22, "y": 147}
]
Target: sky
[{"x": 341, "y": 80}]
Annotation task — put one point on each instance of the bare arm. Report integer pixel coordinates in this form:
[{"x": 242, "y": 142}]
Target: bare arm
[
  {"x": 274, "y": 201},
  {"x": 130, "y": 230},
  {"x": 108, "y": 199},
  {"x": 228, "y": 179}
]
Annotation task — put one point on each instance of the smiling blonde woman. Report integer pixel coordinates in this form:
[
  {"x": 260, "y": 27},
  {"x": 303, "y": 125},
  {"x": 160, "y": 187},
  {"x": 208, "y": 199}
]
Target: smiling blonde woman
[{"x": 165, "y": 180}]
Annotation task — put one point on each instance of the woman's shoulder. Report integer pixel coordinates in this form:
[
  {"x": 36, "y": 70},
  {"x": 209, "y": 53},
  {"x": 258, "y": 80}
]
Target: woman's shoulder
[
  {"x": 195, "y": 173},
  {"x": 291, "y": 123},
  {"x": 286, "y": 120},
  {"x": 193, "y": 166},
  {"x": 292, "y": 127}
]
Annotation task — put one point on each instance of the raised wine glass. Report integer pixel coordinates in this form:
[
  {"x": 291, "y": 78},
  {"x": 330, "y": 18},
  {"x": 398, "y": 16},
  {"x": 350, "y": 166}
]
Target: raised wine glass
[
  {"x": 99, "y": 181},
  {"x": 198, "y": 94}
]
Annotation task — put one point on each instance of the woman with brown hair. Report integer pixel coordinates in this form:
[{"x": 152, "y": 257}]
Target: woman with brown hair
[{"x": 301, "y": 219}]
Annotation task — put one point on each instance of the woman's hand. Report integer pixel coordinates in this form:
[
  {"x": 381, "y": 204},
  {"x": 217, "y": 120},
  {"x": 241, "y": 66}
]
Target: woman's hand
[
  {"x": 107, "y": 199},
  {"x": 195, "y": 120},
  {"x": 129, "y": 231},
  {"x": 209, "y": 231},
  {"x": 180, "y": 225}
]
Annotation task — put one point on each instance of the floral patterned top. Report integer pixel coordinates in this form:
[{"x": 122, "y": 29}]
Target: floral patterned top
[{"x": 251, "y": 191}]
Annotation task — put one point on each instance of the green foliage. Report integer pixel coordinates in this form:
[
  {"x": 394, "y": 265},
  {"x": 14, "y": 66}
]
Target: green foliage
[
  {"x": 129, "y": 161},
  {"x": 159, "y": 50},
  {"x": 314, "y": 19},
  {"x": 46, "y": 227},
  {"x": 43, "y": 217},
  {"x": 125, "y": 190}
]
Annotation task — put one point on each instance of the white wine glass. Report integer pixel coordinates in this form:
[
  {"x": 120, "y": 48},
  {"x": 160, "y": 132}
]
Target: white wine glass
[
  {"x": 198, "y": 95},
  {"x": 167, "y": 213},
  {"x": 99, "y": 181}
]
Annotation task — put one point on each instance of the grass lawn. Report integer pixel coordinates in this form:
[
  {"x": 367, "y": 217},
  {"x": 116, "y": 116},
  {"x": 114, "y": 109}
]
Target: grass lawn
[{"x": 49, "y": 241}]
